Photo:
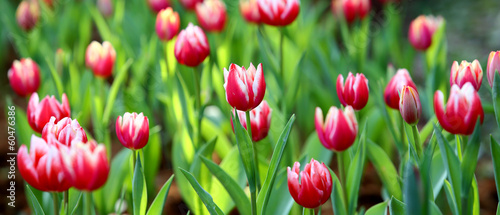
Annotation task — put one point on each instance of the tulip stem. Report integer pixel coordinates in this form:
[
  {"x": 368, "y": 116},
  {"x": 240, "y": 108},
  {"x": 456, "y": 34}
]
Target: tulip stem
[
  {"x": 66, "y": 201},
  {"x": 88, "y": 203},
  {"x": 308, "y": 211},
  {"x": 282, "y": 76},
  {"x": 134, "y": 160},
  {"x": 459, "y": 147},
  {"x": 253, "y": 197},
  {"x": 56, "y": 203},
  {"x": 416, "y": 137},
  {"x": 197, "y": 92},
  {"x": 255, "y": 157}
]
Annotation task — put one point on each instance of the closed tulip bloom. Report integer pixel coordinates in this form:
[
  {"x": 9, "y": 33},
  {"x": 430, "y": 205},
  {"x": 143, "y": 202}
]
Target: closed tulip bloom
[
  {"x": 191, "y": 47},
  {"x": 85, "y": 166},
  {"x": 133, "y": 130},
  {"x": 339, "y": 129},
  {"x": 421, "y": 31},
  {"x": 314, "y": 186},
  {"x": 260, "y": 119},
  {"x": 355, "y": 91},
  {"x": 65, "y": 131},
  {"x": 24, "y": 77},
  {"x": 28, "y": 14},
  {"x": 409, "y": 105},
  {"x": 493, "y": 65},
  {"x": 278, "y": 12},
  {"x": 466, "y": 72},
  {"x": 190, "y": 4},
  {"x": 40, "y": 112},
  {"x": 245, "y": 88},
  {"x": 394, "y": 87},
  {"x": 351, "y": 9},
  {"x": 462, "y": 109},
  {"x": 250, "y": 11},
  {"x": 106, "y": 7},
  {"x": 41, "y": 167},
  {"x": 100, "y": 58},
  {"x": 167, "y": 24},
  {"x": 211, "y": 15},
  {"x": 158, "y": 5}
]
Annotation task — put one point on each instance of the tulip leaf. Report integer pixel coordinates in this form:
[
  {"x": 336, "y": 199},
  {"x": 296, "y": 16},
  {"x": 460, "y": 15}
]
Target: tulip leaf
[
  {"x": 396, "y": 207},
  {"x": 113, "y": 92},
  {"x": 232, "y": 187},
  {"x": 199, "y": 172},
  {"x": 495, "y": 155},
  {"x": 159, "y": 201},
  {"x": 139, "y": 193},
  {"x": 382, "y": 107},
  {"x": 413, "y": 198},
  {"x": 337, "y": 196},
  {"x": 355, "y": 172},
  {"x": 34, "y": 201},
  {"x": 385, "y": 169},
  {"x": 267, "y": 187},
  {"x": 378, "y": 209},
  {"x": 55, "y": 77},
  {"x": 470, "y": 159},
  {"x": 77, "y": 202},
  {"x": 246, "y": 151},
  {"x": 205, "y": 197},
  {"x": 434, "y": 209},
  {"x": 451, "y": 198},
  {"x": 280, "y": 201},
  {"x": 496, "y": 98}
]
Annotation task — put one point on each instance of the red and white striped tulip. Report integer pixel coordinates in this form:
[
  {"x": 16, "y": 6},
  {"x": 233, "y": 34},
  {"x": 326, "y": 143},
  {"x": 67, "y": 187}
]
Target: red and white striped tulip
[
  {"x": 191, "y": 47},
  {"x": 158, "y": 5},
  {"x": 278, "y": 12},
  {"x": 409, "y": 105},
  {"x": 313, "y": 187},
  {"x": 167, "y": 24},
  {"x": 24, "y": 77},
  {"x": 466, "y": 72},
  {"x": 133, "y": 130},
  {"x": 65, "y": 131},
  {"x": 354, "y": 92},
  {"x": 422, "y": 30},
  {"x": 100, "y": 58},
  {"x": 394, "y": 87},
  {"x": 40, "y": 112},
  {"x": 351, "y": 9},
  {"x": 250, "y": 11},
  {"x": 245, "y": 88},
  {"x": 28, "y": 14},
  {"x": 339, "y": 129},
  {"x": 212, "y": 15},
  {"x": 493, "y": 66},
  {"x": 260, "y": 119}
]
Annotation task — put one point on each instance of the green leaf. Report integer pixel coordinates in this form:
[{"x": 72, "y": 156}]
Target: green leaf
[
  {"x": 337, "y": 196},
  {"x": 396, "y": 207},
  {"x": 495, "y": 154},
  {"x": 205, "y": 197},
  {"x": 77, "y": 203},
  {"x": 378, "y": 209},
  {"x": 55, "y": 77},
  {"x": 139, "y": 193},
  {"x": 385, "y": 169},
  {"x": 496, "y": 98},
  {"x": 413, "y": 192},
  {"x": 314, "y": 149},
  {"x": 469, "y": 161},
  {"x": 159, "y": 202},
  {"x": 354, "y": 174},
  {"x": 280, "y": 201},
  {"x": 32, "y": 198},
  {"x": 452, "y": 202},
  {"x": 434, "y": 209},
  {"x": 196, "y": 168},
  {"x": 120, "y": 78},
  {"x": 267, "y": 187},
  {"x": 246, "y": 151}
]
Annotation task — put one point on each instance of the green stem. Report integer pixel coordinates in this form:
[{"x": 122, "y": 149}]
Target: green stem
[
  {"x": 340, "y": 163},
  {"x": 255, "y": 157},
  {"x": 134, "y": 160},
  {"x": 253, "y": 197},
  {"x": 308, "y": 211},
  {"x": 56, "y": 203},
  {"x": 166, "y": 62},
  {"x": 197, "y": 92},
  {"x": 416, "y": 137},
  {"x": 88, "y": 201},
  {"x": 66, "y": 201},
  {"x": 459, "y": 148},
  {"x": 282, "y": 73}
]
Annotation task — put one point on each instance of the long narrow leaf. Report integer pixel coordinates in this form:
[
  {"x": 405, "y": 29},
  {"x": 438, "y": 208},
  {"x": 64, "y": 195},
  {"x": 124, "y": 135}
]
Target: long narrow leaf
[
  {"x": 355, "y": 173},
  {"x": 159, "y": 202},
  {"x": 34, "y": 201},
  {"x": 495, "y": 154},
  {"x": 385, "y": 169},
  {"x": 205, "y": 197},
  {"x": 246, "y": 151},
  {"x": 469, "y": 161},
  {"x": 139, "y": 193}
]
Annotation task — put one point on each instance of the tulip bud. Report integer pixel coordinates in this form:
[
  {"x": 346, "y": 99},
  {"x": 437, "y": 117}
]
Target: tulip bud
[
  {"x": 278, "y": 12},
  {"x": 245, "y": 88},
  {"x": 85, "y": 166},
  {"x": 351, "y": 9},
  {"x": 24, "y": 77},
  {"x": 409, "y": 105},
  {"x": 167, "y": 24},
  {"x": 42, "y": 166},
  {"x": 191, "y": 47},
  {"x": 65, "y": 131},
  {"x": 250, "y": 11},
  {"x": 394, "y": 87},
  {"x": 355, "y": 91},
  {"x": 133, "y": 130},
  {"x": 462, "y": 109},
  {"x": 100, "y": 58},
  {"x": 27, "y": 14},
  {"x": 339, "y": 129},
  {"x": 39, "y": 113},
  {"x": 260, "y": 119},
  {"x": 190, "y": 4},
  {"x": 106, "y": 7},
  {"x": 211, "y": 15},
  {"x": 422, "y": 29},
  {"x": 493, "y": 65},
  {"x": 158, "y": 5},
  {"x": 466, "y": 72},
  {"x": 315, "y": 184}
]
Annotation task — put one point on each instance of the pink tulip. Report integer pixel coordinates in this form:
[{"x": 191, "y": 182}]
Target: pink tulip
[
  {"x": 314, "y": 186},
  {"x": 409, "y": 105},
  {"x": 260, "y": 119},
  {"x": 65, "y": 131},
  {"x": 422, "y": 30},
  {"x": 245, "y": 88},
  {"x": 28, "y": 14},
  {"x": 466, "y": 72},
  {"x": 278, "y": 12},
  {"x": 212, "y": 15},
  {"x": 351, "y": 9},
  {"x": 250, "y": 11},
  {"x": 100, "y": 58},
  {"x": 355, "y": 92},
  {"x": 24, "y": 77},
  {"x": 191, "y": 47},
  {"x": 167, "y": 24},
  {"x": 338, "y": 131},
  {"x": 133, "y": 130},
  {"x": 40, "y": 112},
  {"x": 493, "y": 65},
  {"x": 394, "y": 87}
]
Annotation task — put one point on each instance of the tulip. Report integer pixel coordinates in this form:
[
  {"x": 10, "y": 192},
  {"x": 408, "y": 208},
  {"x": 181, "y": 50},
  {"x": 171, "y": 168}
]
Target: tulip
[
  {"x": 133, "y": 130},
  {"x": 466, "y": 72},
  {"x": 422, "y": 29},
  {"x": 315, "y": 184},
  {"x": 462, "y": 109},
  {"x": 190, "y": 4},
  {"x": 278, "y": 12},
  {"x": 211, "y": 15},
  {"x": 65, "y": 131},
  {"x": 245, "y": 88},
  {"x": 24, "y": 77},
  {"x": 260, "y": 119},
  {"x": 394, "y": 87},
  {"x": 105, "y": 7},
  {"x": 339, "y": 129},
  {"x": 42, "y": 166},
  {"x": 167, "y": 24},
  {"x": 40, "y": 112},
  {"x": 250, "y": 11},
  {"x": 409, "y": 105},
  {"x": 28, "y": 14},
  {"x": 191, "y": 47},
  {"x": 351, "y": 9},
  {"x": 493, "y": 65},
  {"x": 158, "y": 5},
  {"x": 100, "y": 58},
  {"x": 86, "y": 166},
  {"x": 354, "y": 92}
]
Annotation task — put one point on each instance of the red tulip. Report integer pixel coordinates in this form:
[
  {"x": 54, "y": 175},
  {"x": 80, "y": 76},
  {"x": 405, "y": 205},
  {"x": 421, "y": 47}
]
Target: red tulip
[
  {"x": 394, "y": 87},
  {"x": 462, "y": 110},
  {"x": 28, "y": 14},
  {"x": 167, "y": 24},
  {"x": 65, "y": 131},
  {"x": 250, "y": 11},
  {"x": 85, "y": 166},
  {"x": 133, "y": 130},
  {"x": 190, "y": 4},
  {"x": 351, "y": 9},
  {"x": 278, "y": 12},
  {"x": 260, "y": 119},
  {"x": 355, "y": 91},
  {"x": 100, "y": 58},
  {"x": 245, "y": 88},
  {"x": 105, "y": 7},
  {"x": 422, "y": 29},
  {"x": 466, "y": 72},
  {"x": 211, "y": 15},
  {"x": 158, "y": 5},
  {"x": 338, "y": 131},
  {"x": 24, "y": 77},
  {"x": 409, "y": 105},
  {"x": 493, "y": 65},
  {"x": 315, "y": 184},
  {"x": 191, "y": 47},
  {"x": 39, "y": 113},
  {"x": 42, "y": 166}
]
